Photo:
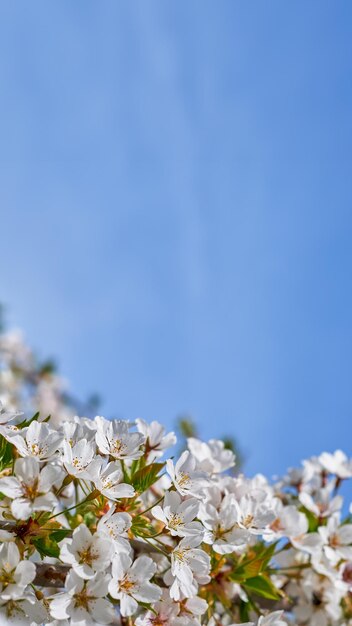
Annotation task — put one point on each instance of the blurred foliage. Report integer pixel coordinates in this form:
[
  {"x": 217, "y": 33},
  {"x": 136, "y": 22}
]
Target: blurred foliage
[
  {"x": 47, "y": 367},
  {"x": 186, "y": 427}
]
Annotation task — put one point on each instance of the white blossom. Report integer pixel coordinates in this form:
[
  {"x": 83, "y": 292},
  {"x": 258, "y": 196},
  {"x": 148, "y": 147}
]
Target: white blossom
[
  {"x": 211, "y": 457},
  {"x": 84, "y": 601},
  {"x": 187, "y": 561},
  {"x": 336, "y": 539},
  {"x": 116, "y": 526},
  {"x": 224, "y": 532},
  {"x": 157, "y": 440},
  {"x": 322, "y": 504},
  {"x": 107, "y": 478},
  {"x": 178, "y": 515},
  {"x": 30, "y": 487},
  {"x": 38, "y": 440},
  {"x": 7, "y": 415},
  {"x": 15, "y": 574},
  {"x": 337, "y": 463},
  {"x": 86, "y": 552},
  {"x": 77, "y": 459},
  {"x": 115, "y": 439},
  {"x": 93, "y": 532},
  {"x": 131, "y": 584},
  {"x": 26, "y": 610},
  {"x": 185, "y": 477}
]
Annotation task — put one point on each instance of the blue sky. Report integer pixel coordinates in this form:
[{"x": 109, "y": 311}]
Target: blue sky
[{"x": 175, "y": 210}]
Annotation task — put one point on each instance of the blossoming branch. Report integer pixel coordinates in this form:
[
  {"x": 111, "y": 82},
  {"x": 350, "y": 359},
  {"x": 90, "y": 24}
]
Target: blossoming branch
[{"x": 101, "y": 524}]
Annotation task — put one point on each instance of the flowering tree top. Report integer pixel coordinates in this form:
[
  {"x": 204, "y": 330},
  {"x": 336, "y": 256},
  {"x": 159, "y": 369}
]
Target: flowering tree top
[{"x": 101, "y": 524}]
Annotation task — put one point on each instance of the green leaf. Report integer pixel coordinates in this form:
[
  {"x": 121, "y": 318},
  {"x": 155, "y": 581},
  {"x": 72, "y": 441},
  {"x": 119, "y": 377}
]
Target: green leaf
[
  {"x": 6, "y": 453},
  {"x": 135, "y": 465},
  {"x": 59, "y": 535},
  {"x": 26, "y": 422},
  {"x": 262, "y": 586},
  {"x": 244, "y": 611},
  {"x": 47, "y": 547},
  {"x": 313, "y": 521},
  {"x": 144, "y": 478},
  {"x": 255, "y": 566}
]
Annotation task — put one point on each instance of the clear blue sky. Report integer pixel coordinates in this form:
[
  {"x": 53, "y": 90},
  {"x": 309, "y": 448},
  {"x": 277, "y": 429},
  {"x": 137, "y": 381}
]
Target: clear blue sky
[{"x": 176, "y": 210}]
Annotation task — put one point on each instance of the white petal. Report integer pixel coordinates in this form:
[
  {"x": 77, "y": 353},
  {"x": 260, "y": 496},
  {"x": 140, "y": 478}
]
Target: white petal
[
  {"x": 128, "y": 605},
  {"x": 143, "y": 568},
  {"x": 10, "y": 487},
  {"x": 9, "y": 554},
  {"x": 25, "y": 573},
  {"x": 102, "y": 611},
  {"x": 21, "y": 508},
  {"x": 27, "y": 470}
]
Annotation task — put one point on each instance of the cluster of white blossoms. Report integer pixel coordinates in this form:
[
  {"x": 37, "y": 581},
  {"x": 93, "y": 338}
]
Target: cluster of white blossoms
[{"x": 100, "y": 525}]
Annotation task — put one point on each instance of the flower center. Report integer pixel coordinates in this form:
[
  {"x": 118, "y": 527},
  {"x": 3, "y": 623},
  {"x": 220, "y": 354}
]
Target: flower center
[
  {"x": 181, "y": 555},
  {"x": 183, "y": 479},
  {"x": 14, "y": 609},
  {"x": 87, "y": 556},
  {"x": 81, "y": 601},
  {"x": 334, "y": 541},
  {"x": 36, "y": 448},
  {"x": 247, "y": 521},
  {"x": 127, "y": 584},
  {"x": 175, "y": 520},
  {"x": 220, "y": 532},
  {"x": 6, "y": 576},
  {"x": 77, "y": 462},
  {"x": 118, "y": 447},
  {"x": 30, "y": 490},
  {"x": 276, "y": 525}
]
